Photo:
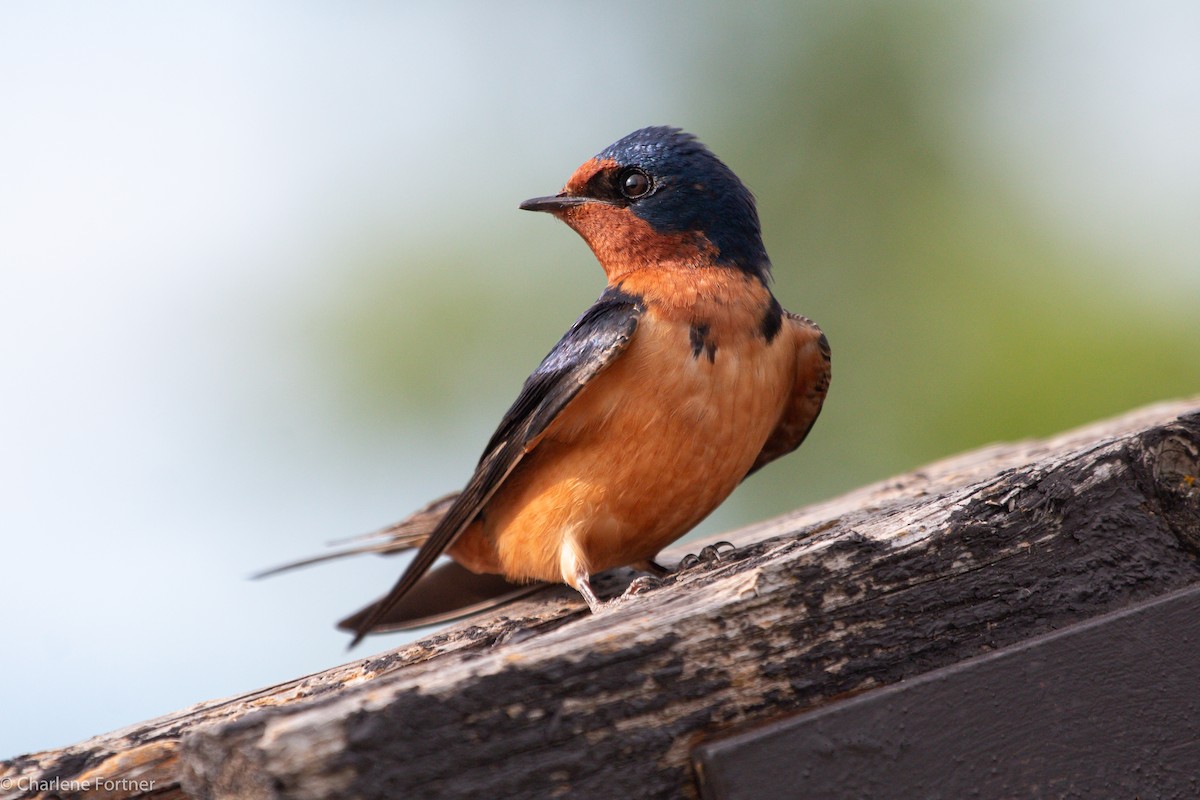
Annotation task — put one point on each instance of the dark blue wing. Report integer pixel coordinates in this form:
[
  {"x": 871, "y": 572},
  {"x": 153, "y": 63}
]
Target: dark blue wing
[
  {"x": 592, "y": 343},
  {"x": 589, "y": 346}
]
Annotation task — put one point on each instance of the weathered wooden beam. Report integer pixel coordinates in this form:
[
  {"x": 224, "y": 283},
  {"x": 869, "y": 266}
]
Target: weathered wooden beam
[{"x": 929, "y": 569}]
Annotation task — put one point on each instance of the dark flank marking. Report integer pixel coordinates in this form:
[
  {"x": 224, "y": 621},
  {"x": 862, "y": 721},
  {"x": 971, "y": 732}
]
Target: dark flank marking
[
  {"x": 698, "y": 336},
  {"x": 823, "y": 343},
  {"x": 773, "y": 321}
]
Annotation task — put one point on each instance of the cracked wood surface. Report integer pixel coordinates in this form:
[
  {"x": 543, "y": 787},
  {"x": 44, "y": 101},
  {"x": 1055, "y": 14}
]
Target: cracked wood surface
[{"x": 541, "y": 699}]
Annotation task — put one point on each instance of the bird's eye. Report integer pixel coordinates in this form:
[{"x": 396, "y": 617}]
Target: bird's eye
[{"x": 635, "y": 184}]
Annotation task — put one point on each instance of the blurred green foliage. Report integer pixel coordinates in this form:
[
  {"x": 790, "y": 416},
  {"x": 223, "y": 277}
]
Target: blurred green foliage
[{"x": 956, "y": 315}]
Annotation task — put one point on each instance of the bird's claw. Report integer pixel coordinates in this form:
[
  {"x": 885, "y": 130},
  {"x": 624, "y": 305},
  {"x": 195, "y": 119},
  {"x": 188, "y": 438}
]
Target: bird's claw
[
  {"x": 641, "y": 585},
  {"x": 709, "y": 555}
]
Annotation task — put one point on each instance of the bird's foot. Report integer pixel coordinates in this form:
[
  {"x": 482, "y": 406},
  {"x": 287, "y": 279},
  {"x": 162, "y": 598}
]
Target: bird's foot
[
  {"x": 641, "y": 585},
  {"x": 584, "y": 587},
  {"x": 709, "y": 555}
]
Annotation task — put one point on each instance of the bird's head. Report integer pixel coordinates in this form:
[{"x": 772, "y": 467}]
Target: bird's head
[{"x": 658, "y": 196}]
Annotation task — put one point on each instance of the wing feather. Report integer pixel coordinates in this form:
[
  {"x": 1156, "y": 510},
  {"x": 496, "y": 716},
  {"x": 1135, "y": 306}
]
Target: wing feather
[
  {"x": 808, "y": 392},
  {"x": 593, "y": 342}
]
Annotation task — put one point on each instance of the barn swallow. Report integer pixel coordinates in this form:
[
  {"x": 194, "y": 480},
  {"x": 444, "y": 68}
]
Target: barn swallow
[{"x": 684, "y": 377}]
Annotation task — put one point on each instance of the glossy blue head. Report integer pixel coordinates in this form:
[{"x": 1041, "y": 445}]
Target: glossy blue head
[{"x": 672, "y": 182}]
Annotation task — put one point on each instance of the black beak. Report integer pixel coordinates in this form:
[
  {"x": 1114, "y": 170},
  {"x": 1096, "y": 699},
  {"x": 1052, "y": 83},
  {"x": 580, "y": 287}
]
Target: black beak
[{"x": 556, "y": 203}]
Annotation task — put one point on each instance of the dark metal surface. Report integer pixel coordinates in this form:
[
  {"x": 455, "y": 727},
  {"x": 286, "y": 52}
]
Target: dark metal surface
[{"x": 1105, "y": 708}]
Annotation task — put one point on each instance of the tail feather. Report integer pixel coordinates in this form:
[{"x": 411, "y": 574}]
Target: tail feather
[
  {"x": 445, "y": 593},
  {"x": 407, "y": 534}
]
